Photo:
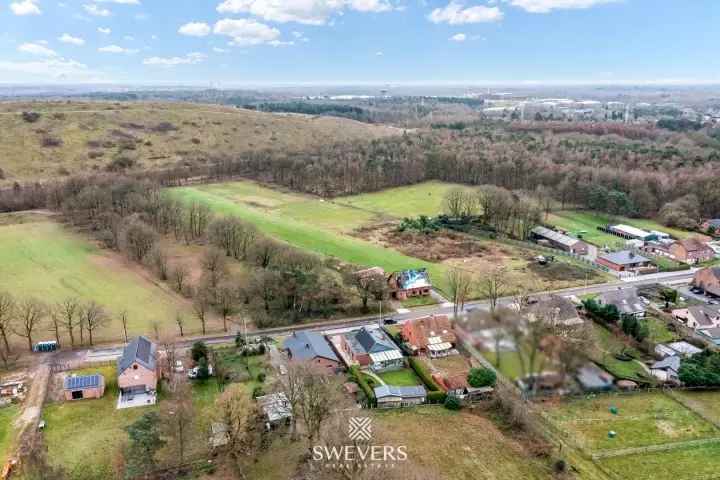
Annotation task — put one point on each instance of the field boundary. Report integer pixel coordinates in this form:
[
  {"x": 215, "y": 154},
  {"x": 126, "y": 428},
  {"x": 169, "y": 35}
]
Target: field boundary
[{"x": 663, "y": 447}]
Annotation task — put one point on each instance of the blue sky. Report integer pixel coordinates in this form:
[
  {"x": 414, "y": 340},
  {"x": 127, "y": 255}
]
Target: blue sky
[{"x": 263, "y": 42}]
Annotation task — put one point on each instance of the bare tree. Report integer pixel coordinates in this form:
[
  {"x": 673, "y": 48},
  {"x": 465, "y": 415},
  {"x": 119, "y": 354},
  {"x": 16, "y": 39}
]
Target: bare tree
[
  {"x": 493, "y": 286},
  {"x": 31, "y": 313},
  {"x": 214, "y": 264},
  {"x": 93, "y": 317},
  {"x": 68, "y": 312},
  {"x": 316, "y": 399},
  {"x": 158, "y": 261},
  {"x": 201, "y": 305},
  {"x": 460, "y": 283},
  {"x": 124, "y": 322},
  {"x": 367, "y": 286},
  {"x": 7, "y": 316},
  {"x": 237, "y": 411},
  {"x": 227, "y": 300},
  {"x": 180, "y": 321},
  {"x": 179, "y": 275},
  {"x": 178, "y": 417}
]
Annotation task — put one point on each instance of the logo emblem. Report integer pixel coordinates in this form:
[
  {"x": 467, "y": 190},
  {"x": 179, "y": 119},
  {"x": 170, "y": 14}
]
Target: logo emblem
[{"x": 360, "y": 428}]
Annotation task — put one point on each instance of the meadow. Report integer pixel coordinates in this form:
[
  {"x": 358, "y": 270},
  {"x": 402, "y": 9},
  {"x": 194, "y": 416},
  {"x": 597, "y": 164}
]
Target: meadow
[
  {"x": 7, "y": 417},
  {"x": 90, "y": 135},
  {"x": 45, "y": 260},
  {"x": 585, "y": 223}
]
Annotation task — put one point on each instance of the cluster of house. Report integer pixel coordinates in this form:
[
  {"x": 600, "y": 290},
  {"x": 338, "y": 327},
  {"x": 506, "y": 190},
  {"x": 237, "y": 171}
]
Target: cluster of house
[
  {"x": 671, "y": 354},
  {"x": 372, "y": 349},
  {"x": 703, "y": 318}
]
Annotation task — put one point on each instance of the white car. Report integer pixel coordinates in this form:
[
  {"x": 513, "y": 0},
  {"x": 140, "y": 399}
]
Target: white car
[
  {"x": 193, "y": 372},
  {"x": 179, "y": 368}
]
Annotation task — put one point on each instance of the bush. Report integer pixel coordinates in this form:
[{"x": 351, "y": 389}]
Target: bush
[
  {"x": 452, "y": 403},
  {"x": 203, "y": 372},
  {"x": 51, "y": 142},
  {"x": 424, "y": 375},
  {"x": 120, "y": 163},
  {"x": 360, "y": 380},
  {"x": 481, "y": 377},
  {"x": 30, "y": 117},
  {"x": 199, "y": 350},
  {"x": 258, "y": 392},
  {"x": 261, "y": 377},
  {"x": 437, "y": 397}
]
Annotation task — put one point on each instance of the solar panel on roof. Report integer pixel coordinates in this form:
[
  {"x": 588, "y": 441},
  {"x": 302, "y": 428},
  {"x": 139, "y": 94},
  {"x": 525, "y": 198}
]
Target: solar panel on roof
[{"x": 82, "y": 382}]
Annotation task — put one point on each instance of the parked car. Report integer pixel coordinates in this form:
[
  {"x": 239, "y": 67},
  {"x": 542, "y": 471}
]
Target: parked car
[
  {"x": 193, "y": 372},
  {"x": 389, "y": 321},
  {"x": 714, "y": 302},
  {"x": 179, "y": 368}
]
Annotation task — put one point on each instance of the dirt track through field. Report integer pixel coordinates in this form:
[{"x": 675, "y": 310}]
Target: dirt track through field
[{"x": 32, "y": 408}]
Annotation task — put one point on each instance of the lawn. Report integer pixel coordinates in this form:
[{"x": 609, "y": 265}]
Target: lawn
[
  {"x": 607, "y": 345},
  {"x": 43, "y": 259},
  {"x": 510, "y": 365},
  {"x": 575, "y": 221},
  {"x": 401, "y": 378},
  {"x": 85, "y": 437},
  {"x": 680, "y": 464},
  {"x": 310, "y": 231},
  {"x": 422, "y": 199},
  {"x": 705, "y": 402},
  {"x": 659, "y": 331},
  {"x": 7, "y": 417},
  {"x": 457, "y": 445},
  {"x": 643, "y": 419}
]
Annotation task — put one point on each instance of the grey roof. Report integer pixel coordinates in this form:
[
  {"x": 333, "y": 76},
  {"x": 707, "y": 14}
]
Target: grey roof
[
  {"x": 703, "y": 314},
  {"x": 592, "y": 377},
  {"x": 667, "y": 363},
  {"x": 384, "y": 391},
  {"x": 712, "y": 333},
  {"x": 375, "y": 340},
  {"x": 140, "y": 350},
  {"x": 83, "y": 381},
  {"x": 624, "y": 257},
  {"x": 306, "y": 345},
  {"x": 555, "y": 236},
  {"x": 626, "y": 300},
  {"x": 556, "y": 308}
]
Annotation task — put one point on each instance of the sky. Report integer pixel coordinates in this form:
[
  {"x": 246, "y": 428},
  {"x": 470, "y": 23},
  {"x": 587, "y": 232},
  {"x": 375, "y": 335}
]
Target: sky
[{"x": 294, "y": 42}]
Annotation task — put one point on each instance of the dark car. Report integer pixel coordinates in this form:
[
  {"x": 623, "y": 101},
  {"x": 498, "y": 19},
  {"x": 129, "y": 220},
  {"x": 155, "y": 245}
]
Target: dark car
[{"x": 389, "y": 321}]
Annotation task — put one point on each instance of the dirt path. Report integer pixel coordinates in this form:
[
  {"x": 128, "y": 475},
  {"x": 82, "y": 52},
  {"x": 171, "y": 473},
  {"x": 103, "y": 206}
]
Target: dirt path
[{"x": 28, "y": 420}]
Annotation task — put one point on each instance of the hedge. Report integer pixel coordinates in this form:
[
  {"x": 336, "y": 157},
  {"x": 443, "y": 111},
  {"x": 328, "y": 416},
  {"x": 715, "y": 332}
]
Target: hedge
[
  {"x": 436, "y": 397},
  {"x": 360, "y": 379},
  {"x": 425, "y": 376}
]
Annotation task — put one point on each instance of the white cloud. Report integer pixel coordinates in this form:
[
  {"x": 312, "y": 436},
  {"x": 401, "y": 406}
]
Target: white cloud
[
  {"x": 128, "y": 38},
  {"x": 195, "y": 29},
  {"x": 220, "y": 50},
  {"x": 455, "y": 13},
  {"x": 36, "y": 49},
  {"x": 545, "y": 6},
  {"x": 96, "y": 11},
  {"x": 104, "y": 31},
  {"x": 116, "y": 49},
  {"x": 42, "y": 70},
  {"x": 246, "y": 32},
  {"x": 459, "y": 37},
  {"x": 67, "y": 38},
  {"x": 281, "y": 43},
  {"x": 25, "y": 7},
  {"x": 311, "y": 12},
  {"x": 379, "y": 54},
  {"x": 189, "y": 59},
  {"x": 154, "y": 37}
]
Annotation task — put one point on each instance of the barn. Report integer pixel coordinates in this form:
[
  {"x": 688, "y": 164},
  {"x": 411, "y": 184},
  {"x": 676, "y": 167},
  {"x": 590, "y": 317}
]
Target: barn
[{"x": 79, "y": 387}]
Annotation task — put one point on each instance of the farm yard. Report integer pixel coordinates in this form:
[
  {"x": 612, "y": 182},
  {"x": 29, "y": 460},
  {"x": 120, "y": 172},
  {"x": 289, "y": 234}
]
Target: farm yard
[
  {"x": 656, "y": 430},
  {"x": 332, "y": 228},
  {"x": 44, "y": 260}
]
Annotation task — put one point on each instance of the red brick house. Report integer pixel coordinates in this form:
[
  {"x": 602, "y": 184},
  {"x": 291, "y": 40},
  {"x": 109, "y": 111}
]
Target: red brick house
[
  {"x": 692, "y": 251},
  {"x": 709, "y": 280},
  {"x": 432, "y": 336},
  {"x": 625, "y": 261},
  {"x": 138, "y": 368},
  {"x": 409, "y": 283},
  {"x": 309, "y": 346}
]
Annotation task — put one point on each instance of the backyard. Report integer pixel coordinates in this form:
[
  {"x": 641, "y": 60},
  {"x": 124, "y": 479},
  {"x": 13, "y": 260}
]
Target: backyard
[
  {"x": 401, "y": 378},
  {"x": 607, "y": 349},
  {"x": 45, "y": 260}
]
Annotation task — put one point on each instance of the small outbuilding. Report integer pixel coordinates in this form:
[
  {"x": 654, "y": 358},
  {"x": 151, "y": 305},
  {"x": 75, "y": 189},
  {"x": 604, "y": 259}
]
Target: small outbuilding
[
  {"x": 389, "y": 396},
  {"x": 80, "y": 387}
]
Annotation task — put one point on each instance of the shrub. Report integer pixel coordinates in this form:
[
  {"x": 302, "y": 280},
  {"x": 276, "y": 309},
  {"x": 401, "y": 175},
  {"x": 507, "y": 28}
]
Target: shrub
[
  {"x": 481, "y": 377},
  {"x": 199, "y": 350},
  {"x": 30, "y": 117},
  {"x": 360, "y": 380},
  {"x": 261, "y": 377},
  {"x": 424, "y": 375},
  {"x": 437, "y": 397},
  {"x": 120, "y": 163},
  {"x": 452, "y": 403},
  {"x": 258, "y": 392},
  {"x": 203, "y": 372},
  {"x": 51, "y": 142}
]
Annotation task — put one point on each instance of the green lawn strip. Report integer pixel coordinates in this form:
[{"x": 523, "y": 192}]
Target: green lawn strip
[
  {"x": 401, "y": 378},
  {"x": 659, "y": 331},
  {"x": 47, "y": 261},
  {"x": 421, "y": 199},
  {"x": 312, "y": 238},
  {"x": 510, "y": 365},
  {"x": 7, "y": 417},
  {"x": 643, "y": 419},
  {"x": 607, "y": 346},
  {"x": 418, "y": 301},
  {"x": 679, "y": 464}
]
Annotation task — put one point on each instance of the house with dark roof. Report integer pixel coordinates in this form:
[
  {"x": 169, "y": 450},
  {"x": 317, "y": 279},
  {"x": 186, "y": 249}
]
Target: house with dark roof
[
  {"x": 699, "y": 317},
  {"x": 666, "y": 370},
  {"x": 709, "y": 280},
  {"x": 626, "y": 300},
  {"x": 389, "y": 396},
  {"x": 432, "y": 335},
  {"x": 409, "y": 283},
  {"x": 79, "y": 387},
  {"x": 554, "y": 309},
  {"x": 138, "y": 368},
  {"x": 691, "y": 251},
  {"x": 373, "y": 348},
  {"x": 559, "y": 240},
  {"x": 625, "y": 261},
  {"x": 309, "y": 346}
]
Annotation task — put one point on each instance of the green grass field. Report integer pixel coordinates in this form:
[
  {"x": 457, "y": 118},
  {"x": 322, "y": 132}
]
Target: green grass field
[
  {"x": 643, "y": 419},
  {"x": 315, "y": 232},
  {"x": 7, "y": 417},
  {"x": 575, "y": 222},
  {"x": 680, "y": 464},
  {"x": 607, "y": 345},
  {"x": 45, "y": 260},
  {"x": 401, "y": 378}
]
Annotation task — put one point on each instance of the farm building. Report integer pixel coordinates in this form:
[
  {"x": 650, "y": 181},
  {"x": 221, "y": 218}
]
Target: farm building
[
  {"x": 560, "y": 241},
  {"x": 626, "y": 300},
  {"x": 432, "y": 335},
  {"x": 691, "y": 251},
  {"x": 138, "y": 372},
  {"x": 371, "y": 347},
  {"x": 708, "y": 279},
  {"x": 632, "y": 233},
  {"x": 79, "y": 387},
  {"x": 409, "y": 283},
  {"x": 309, "y": 346},
  {"x": 625, "y": 261},
  {"x": 389, "y": 396}
]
